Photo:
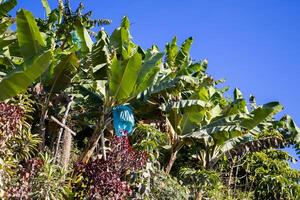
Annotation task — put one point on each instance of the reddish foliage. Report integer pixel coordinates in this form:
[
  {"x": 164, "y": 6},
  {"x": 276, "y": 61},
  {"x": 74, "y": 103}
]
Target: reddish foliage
[
  {"x": 28, "y": 171},
  {"x": 10, "y": 118},
  {"x": 105, "y": 178}
]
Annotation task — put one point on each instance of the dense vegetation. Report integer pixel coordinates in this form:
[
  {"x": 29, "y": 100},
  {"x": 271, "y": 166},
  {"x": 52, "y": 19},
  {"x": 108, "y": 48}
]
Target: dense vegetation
[{"x": 61, "y": 77}]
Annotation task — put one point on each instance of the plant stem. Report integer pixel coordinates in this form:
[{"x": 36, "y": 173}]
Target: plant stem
[{"x": 61, "y": 130}]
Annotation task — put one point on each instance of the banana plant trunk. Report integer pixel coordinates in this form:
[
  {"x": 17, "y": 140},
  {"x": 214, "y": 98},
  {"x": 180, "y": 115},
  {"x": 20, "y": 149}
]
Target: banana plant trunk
[
  {"x": 173, "y": 156},
  {"x": 172, "y": 159},
  {"x": 94, "y": 140},
  {"x": 67, "y": 146}
]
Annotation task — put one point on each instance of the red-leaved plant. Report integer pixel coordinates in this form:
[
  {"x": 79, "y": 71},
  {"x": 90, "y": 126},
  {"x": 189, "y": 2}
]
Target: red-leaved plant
[
  {"x": 29, "y": 169},
  {"x": 10, "y": 121},
  {"x": 105, "y": 179}
]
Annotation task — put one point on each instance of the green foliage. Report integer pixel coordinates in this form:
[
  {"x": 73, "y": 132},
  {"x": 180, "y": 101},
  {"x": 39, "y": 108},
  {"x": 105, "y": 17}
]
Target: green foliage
[
  {"x": 123, "y": 76},
  {"x": 149, "y": 139},
  {"x": 6, "y": 6},
  {"x": 18, "y": 81},
  {"x": 30, "y": 39},
  {"x": 59, "y": 67},
  {"x": 166, "y": 187},
  {"x": 38, "y": 178},
  {"x": 200, "y": 179},
  {"x": 49, "y": 181},
  {"x": 271, "y": 175},
  {"x": 63, "y": 73}
]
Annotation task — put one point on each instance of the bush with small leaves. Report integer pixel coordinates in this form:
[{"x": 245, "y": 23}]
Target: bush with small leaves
[{"x": 105, "y": 179}]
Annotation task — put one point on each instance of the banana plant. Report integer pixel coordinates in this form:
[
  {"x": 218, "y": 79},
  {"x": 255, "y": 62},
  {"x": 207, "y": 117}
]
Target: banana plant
[
  {"x": 129, "y": 71},
  {"x": 239, "y": 131},
  {"x": 218, "y": 125},
  {"x": 35, "y": 57}
]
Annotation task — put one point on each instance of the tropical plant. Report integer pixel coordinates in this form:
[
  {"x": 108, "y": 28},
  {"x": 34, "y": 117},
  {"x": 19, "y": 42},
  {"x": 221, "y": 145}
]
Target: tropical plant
[{"x": 60, "y": 79}]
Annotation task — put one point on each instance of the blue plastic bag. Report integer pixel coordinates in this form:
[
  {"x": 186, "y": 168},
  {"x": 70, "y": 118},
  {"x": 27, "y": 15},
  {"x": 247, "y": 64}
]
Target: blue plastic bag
[
  {"x": 75, "y": 38},
  {"x": 123, "y": 120}
]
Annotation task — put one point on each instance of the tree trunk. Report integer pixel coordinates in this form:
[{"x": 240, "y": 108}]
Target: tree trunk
[
  {"x": 66, "y": 150},
  {"x": 63, "y": 130}
]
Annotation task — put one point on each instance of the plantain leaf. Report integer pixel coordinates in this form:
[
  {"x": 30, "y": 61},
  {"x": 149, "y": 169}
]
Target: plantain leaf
[
  {"x": 237, "y": 94},
  {"x": 64, "y": 72},
  {"x": 123, "y": 76},
  {"x": 169, "y": 84},
  {"x": 149, "y": 69},
  {"x": 6, "y": 6},
  {"x": 46, "y": 7},
  {"x": 183, "y": 54},
  {"x": 171, "y": 52},
  {"x": 30, "y": 39},
  {"x": 86, "y": 42},
  {"x": 183, "y": 104},
  {"x": 261, "y": 114},
  {"x": 18, "y": 81},
  {"x": 121, "y": 40}
]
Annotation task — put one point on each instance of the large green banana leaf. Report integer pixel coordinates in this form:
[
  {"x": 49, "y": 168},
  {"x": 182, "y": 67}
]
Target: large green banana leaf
[
  {"x": 149, "y": 69},
  {"x": 18, "y": 81},
  {"x": 30, "y": 39},
  {"x": 261, "y": 114},
  {"x": 64, "y": 72},
  {"x": 86, "y": 42},
  {"x": 123, "y": 76},
  {"x": 6, "y": 6}
]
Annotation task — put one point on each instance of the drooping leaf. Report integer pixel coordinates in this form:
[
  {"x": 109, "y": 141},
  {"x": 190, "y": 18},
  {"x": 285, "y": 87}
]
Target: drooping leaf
[
  {"x": 169, "y": 84},
  {"x": 149, "y": 69},
  {"x": 261, "y": 114},
  {"x": 6, "y": 6},
  {"x": 292, "y": 131},
  {"x": 30, "y": 39},
  {"x": 64, "y": 72},
  {"x": 198, "y": 135},
  {"x": 100, "y": 56},
  {"x": 93, "y": 96},
  {"x": 197, "y": 68},
  {"x": 190, "y": 120},
  {"x": 18, "y": 81},
  {"x": 86, "y": 42}
]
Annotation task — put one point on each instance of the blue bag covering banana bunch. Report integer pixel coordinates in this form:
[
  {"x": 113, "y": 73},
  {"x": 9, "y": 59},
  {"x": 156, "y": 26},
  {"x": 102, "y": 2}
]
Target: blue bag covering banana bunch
[{"x": 123, "y": 120}]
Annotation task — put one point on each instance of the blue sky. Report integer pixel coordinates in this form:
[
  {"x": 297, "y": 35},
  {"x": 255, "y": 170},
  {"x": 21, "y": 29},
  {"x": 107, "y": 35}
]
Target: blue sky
[{"x": 254, "y": 45}]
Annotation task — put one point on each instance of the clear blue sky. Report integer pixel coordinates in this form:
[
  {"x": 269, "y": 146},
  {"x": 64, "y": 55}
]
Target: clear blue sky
[{"x": 253, "y": 44}]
